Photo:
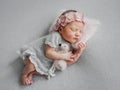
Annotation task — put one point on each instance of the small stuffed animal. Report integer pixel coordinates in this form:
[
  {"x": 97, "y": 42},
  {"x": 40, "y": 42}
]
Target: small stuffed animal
[{"x": 61, "y": 64}]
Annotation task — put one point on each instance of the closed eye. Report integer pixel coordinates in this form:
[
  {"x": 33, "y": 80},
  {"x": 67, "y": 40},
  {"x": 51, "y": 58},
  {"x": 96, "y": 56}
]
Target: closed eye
[{"x": 73, "y": 30}]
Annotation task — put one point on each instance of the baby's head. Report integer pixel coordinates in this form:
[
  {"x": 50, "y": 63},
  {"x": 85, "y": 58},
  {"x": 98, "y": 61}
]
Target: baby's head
[{"x": 70, "y": 25}]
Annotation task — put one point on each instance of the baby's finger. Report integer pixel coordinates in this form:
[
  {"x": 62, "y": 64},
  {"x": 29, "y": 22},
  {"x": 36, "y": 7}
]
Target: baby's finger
[
  {"x": 82, "y": 44},
  {"x": 70, "y": 53},
  {"x": 70, "y": 60},
  {"x": 73, "y": 56}
]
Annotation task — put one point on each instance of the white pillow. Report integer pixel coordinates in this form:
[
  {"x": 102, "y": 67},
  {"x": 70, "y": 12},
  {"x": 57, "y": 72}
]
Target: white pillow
[{"x": 91, "y": 26}]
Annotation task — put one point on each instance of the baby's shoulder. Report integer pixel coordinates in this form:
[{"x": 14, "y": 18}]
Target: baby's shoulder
[{"x": 54, "y": 35}]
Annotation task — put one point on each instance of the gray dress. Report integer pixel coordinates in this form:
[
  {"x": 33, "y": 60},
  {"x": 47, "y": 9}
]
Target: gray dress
[{"x": 36, "y": 51}]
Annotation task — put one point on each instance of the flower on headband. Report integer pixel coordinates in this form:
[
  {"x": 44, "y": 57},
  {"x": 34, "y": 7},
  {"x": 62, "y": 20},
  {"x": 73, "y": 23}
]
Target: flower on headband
[
  {"x": 79, "y": 17},
  {"x": 70, "y": 17},
  {"x": 63, "y": 20}
]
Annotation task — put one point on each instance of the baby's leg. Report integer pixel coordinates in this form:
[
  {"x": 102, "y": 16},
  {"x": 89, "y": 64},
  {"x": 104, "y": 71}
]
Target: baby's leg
[{"x": 29, "y": 67}]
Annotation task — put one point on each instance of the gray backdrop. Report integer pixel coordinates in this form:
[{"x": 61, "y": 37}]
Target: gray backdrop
[{"x": 22, "y": 21}]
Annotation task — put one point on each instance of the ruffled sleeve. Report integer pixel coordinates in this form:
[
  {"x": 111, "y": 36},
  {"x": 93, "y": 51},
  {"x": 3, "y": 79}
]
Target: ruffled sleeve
[{"x": 53, "y": 39}]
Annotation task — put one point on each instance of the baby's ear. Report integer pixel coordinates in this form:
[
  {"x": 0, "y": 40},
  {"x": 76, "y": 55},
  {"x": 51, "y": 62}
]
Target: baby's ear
[{"x": 60, "y": 29}]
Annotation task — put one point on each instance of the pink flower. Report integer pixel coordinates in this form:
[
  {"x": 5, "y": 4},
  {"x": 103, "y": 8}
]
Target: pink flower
[
  {"x": 67, "y": 18},
  {"x": 63, "y": 20}
]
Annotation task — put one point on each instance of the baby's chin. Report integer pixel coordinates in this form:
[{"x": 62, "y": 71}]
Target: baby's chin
[
  {"x": 74, "y": 41},
  {"x": 77, "y": 40}
]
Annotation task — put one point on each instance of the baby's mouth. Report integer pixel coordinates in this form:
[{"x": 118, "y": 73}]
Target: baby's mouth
[{"x": 77, "y": 39}]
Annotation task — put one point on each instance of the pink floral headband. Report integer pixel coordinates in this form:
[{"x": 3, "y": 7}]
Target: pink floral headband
[{"x": 63, "y": 20}]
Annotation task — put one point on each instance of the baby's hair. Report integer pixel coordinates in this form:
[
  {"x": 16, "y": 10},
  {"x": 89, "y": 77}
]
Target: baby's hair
[{"x": 67, "y": 11}]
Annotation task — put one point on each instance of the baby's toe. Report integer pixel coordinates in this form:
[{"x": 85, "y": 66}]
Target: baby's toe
[
  {"x": 28, "y": 82},
  {"x": 30, "y": 78},
  {"x": 25, "y": 80}
]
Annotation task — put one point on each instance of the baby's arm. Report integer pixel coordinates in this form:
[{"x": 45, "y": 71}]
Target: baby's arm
[{"x": 50, "y": 52}]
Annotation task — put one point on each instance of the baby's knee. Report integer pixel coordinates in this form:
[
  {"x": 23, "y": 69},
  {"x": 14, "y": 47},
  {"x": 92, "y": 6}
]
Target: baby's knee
[{"x": 61, "y": 65}]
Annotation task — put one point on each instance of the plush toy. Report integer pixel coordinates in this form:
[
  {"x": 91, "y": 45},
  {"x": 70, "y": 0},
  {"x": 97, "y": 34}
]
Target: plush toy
[{"x": 59, "y": 64}]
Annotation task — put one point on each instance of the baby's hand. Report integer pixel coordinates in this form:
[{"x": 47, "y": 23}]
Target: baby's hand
[
  {"x": 82, "y": 44},
  {"x": 81, "y": 47},
  {"x": 69, "y": 56}
]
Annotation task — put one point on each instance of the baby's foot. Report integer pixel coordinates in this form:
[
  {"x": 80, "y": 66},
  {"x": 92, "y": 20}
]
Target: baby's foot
[{"x": 26, "y": 80}]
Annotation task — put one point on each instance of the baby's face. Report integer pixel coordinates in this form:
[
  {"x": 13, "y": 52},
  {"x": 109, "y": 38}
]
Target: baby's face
[{"x": 72, "y": 32}]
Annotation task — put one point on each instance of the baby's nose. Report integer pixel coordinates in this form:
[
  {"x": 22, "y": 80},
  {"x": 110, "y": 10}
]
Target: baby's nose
[{"x": 77, "y": 34}]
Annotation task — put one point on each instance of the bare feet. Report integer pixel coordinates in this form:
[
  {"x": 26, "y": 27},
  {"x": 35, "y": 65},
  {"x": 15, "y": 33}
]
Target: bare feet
[
  {"x": 27, "y": 80},
  {"x": 27, "y": 74}
]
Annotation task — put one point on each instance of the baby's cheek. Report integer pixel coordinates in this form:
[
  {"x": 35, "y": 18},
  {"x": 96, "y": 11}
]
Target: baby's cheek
[{"x": 69, "y": 36}]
